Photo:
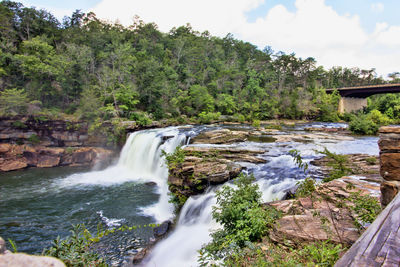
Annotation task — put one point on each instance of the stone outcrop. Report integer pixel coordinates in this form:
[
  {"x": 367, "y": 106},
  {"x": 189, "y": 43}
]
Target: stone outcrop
[
  {"x": 203, "y": 166},
  {"x": 14, "y": 157},
  {"x": 323, "y": 216},
  {"x": 328, "y": 130},
  {"x": 220, "y": 136},
  {"x": 39, "y": 129},
  {"x": 389, "y": 145},
  {"x": 8, "y": 259},
  {"x": 362, "y": 164}
]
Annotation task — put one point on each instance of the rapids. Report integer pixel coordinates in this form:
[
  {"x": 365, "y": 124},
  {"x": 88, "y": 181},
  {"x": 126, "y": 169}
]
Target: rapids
[{"x": 37, "y": 205}]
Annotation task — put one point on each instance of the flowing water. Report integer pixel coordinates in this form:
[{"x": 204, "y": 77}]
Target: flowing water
[{"x": 37, "y": 205}]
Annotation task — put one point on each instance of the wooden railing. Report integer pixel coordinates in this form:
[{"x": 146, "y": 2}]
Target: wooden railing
[{"x": 379, "y": 245}]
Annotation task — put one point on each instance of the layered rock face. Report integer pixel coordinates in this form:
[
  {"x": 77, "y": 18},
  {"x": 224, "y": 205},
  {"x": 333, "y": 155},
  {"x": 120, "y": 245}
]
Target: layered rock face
[
  {"x": 326, "y": 215},
  {"x": 389, "y": 145},
  {"x": 59, "y": 133},
  {"x": 207, "y": 165},
  {"x": 14, "y": 157},
  {"x": 40, "y": 142}
]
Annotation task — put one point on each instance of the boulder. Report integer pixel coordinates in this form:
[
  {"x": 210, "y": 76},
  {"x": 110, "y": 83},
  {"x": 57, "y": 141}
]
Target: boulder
[
  {"x": 22, "y": 260},
  {"x": 389, "y": 190},
  {"x": 161, "y": 230},
  {"x": 12, "y": 165},
  {"x": 320, "y": 217},
  {"x": 220, "y": 136},
  {"x": 204, "y": 166}
]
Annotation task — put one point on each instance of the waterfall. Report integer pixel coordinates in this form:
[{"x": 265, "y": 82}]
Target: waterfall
[
  {"x": 196, "y": 223},
  {"x": 140, "y": 161}
]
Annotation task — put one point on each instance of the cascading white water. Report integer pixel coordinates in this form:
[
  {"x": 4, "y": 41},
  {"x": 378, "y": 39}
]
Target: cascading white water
[
  {"x": 141, "y": 161},
  {"x": 195, "y": 224}
]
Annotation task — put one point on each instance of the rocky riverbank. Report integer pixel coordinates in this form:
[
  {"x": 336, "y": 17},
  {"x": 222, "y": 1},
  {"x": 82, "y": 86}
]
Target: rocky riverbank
[{"x": 37, "y": 141}]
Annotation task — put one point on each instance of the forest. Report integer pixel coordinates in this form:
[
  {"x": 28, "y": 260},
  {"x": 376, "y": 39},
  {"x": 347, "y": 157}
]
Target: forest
[{"x": 95, "y": 70}]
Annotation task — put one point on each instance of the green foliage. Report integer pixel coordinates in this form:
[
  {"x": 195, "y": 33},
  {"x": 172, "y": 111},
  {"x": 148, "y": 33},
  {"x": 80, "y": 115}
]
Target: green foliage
[
  {"x": 13, "y": 245},
  {"x": 96, "y": 69},
  {"x": 368, "y": 124},
  {"x": 366, "y": 207},
  {"x": 34, "y": 139},
  {"x": 363, "y": 125},
  {"x": 306, "y": 187},
  {"x": 207, "y": 117},
  {"x": 76, "y": 249},
  {"x": 242, "y": 217},
  {"x": 327, "y": 105},
  {"x": 371, "y": 160},
  {"x": 174, "y": 160},
  {"x": 321, "y": 253},
  {"x": 298, "y": 159},
  {"x": 256, "y": 123},
  {"x": 13, "y": 101},
  {"x": 19, "y": 124},
  {"x": 338, "y": 163},
  {"x": 141, "y": 118},
  {"x": 314, "y": 254}
]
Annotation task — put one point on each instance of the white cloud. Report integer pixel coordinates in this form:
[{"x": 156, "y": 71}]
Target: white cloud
[
  {"x": 377, "y": 7},
  {"x": 314, "y": 29}
]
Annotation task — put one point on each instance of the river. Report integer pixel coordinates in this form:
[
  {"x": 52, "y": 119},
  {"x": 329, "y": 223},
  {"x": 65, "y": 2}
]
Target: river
[{"x": 37, "y": 205}]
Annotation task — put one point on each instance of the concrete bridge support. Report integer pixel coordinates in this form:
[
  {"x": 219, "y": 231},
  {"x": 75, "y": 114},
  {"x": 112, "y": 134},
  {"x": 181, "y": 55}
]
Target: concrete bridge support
[{"x": 349, "y": 104}]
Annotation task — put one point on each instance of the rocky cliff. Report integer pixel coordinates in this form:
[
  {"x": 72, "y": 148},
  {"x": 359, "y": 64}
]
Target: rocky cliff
[{"x": 36, "y": 141}]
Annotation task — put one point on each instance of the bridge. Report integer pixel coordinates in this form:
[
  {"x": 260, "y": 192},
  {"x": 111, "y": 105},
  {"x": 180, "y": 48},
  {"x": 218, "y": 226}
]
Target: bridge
[{"x": 354, "y": 98}]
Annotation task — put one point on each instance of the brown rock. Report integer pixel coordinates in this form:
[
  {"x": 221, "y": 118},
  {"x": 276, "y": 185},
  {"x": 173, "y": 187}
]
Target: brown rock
[
  {"x": 389, "y": 190},
  {"x": 11, "y": 165},
  {"x": 320, "y": 217},
  {"x": 22, "y": 260},
  {"x": 221, "y": 136},
  {"x": 389, "y": 142},
  {"x": 47, "y": 161},
  {"x": 390, "y": 166},
  {"x": 389, "y": 129},
  {"x": 5, "y": 148},
  {"x": 294, "y": 230}
]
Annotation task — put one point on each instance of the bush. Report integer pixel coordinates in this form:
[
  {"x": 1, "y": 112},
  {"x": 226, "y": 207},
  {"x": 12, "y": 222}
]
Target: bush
[
  {"x": 242, "y": 217},
  {"x": 207, "y": 117},
  {"x": 363, "y": 124},
  {"x": 338, "y": 164},
  {"x": 13, "y": 101},
  {"x": 256, "y": 123}
]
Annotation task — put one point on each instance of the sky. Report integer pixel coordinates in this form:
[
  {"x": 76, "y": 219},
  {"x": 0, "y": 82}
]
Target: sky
[{"x": 348, "y": 33}]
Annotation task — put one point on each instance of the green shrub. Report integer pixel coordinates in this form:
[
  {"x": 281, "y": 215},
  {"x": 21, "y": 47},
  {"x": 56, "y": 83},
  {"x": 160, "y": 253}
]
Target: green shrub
[
  {"x": 76, "y": 249},
  {"x": 174, "y": 160},
  {"x": 366, "y": 207},
  {"x": 306, "y": 187},
  {"x": 371, "y": 160},
  {"x": 207, "y": 117},
  {"x": 379, "y": 118},
  {"x": 34, "y": 139},
  {"x": 13, "y": 101},
  {"x": 338, "y": 164},
  {"x": 256, "y": 123},
  {"x": 141, "y": 118},
  {"x": 242, "y": 218},
  {"x": 363, "y": 124},
  {"x": 239, "y": 117},
  {"x": 19, "y": 124},
  {"x": 321, "y": 253}
]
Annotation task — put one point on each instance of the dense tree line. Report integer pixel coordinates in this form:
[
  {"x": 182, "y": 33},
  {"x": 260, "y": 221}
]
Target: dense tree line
[{"x": 96, "y": 69}]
